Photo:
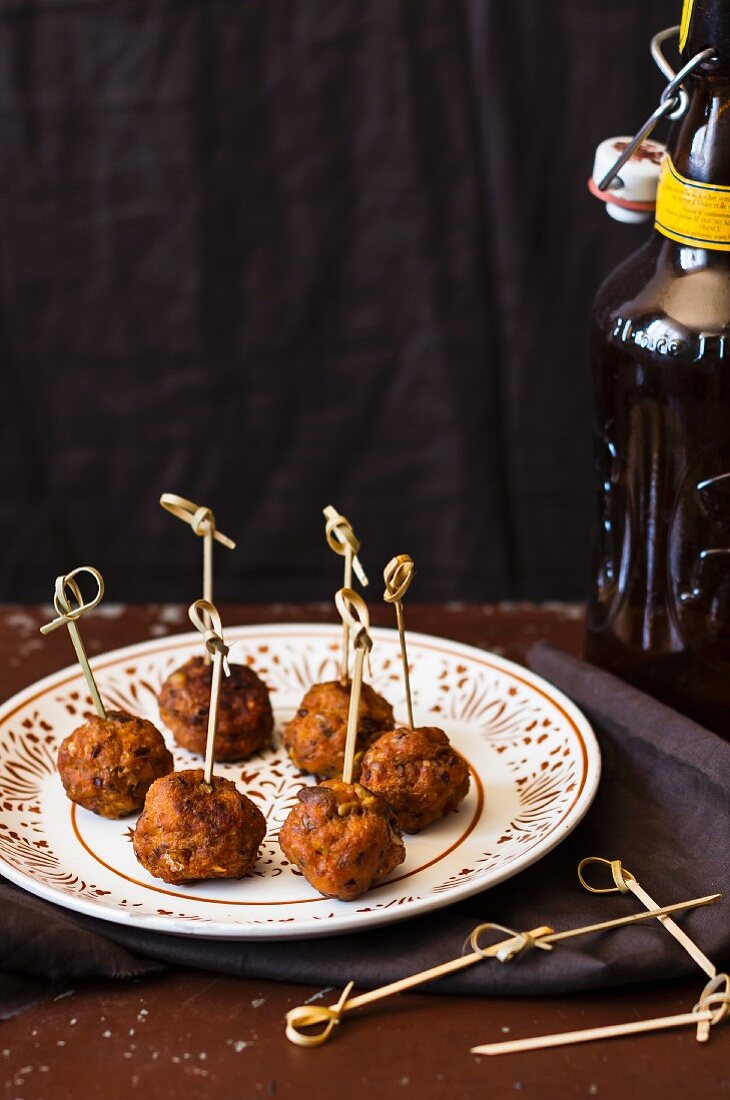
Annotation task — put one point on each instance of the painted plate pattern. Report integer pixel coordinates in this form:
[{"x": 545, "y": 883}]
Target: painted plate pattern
[{"x": 533, "y": 757}]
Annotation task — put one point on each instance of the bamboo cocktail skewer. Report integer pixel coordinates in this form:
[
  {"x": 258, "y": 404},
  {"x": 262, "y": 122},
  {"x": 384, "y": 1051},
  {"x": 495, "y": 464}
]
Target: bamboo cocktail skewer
[
  {"x": 68, "y": 615},
  {"x": 398, "y": 574},
  {"x": 342, "y": 539},
  {"x": 624, "y": 882},
  {"x": 348, "y": 602},
  {"x": 307, "y": 1016},
  {"x": 202, "y": 522},
  {"x": 201, "y": 614},
  {"x": 702, "y": 1015}
]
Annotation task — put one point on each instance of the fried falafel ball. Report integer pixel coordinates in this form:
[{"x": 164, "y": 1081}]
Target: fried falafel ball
[
  {"x": 315, "y": 737},
  {"x": 107, "y": 765},
  {"x": 245, "y": 718},
  {"x": 418, "y": 773},
  {"x": 190, "y": 831},
  {"x": 342, "y": 838}
]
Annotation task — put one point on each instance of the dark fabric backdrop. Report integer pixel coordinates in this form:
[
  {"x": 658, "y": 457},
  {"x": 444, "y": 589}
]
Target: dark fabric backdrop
[{"x": 273, "y": 254}]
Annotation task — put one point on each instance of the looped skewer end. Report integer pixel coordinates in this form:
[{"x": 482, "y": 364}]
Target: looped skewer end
[
  {"x": 202, "y": 522},
  {"x": 621, "y": 877},
  {"x": 308, "y": 1016},
  {"x": 356, "y": 620},
  {"x": 339, "y": 533},
  {"x": 213, "y": 633},
  {"x": 341, "y": 538},
  {"x": 713, "y": 995},
  {"x": 66, "y": 613},
  {"x": 521, "y": 941},
  {"x": 68, "y": 616},
  {"x": 200, "y": 519},
  {"x": 398, "y": 574},
  {"x": 347, "y": 602}
]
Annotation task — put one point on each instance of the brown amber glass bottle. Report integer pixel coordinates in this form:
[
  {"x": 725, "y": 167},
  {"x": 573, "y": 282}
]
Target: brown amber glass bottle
[{"x": 659, "y": 604}]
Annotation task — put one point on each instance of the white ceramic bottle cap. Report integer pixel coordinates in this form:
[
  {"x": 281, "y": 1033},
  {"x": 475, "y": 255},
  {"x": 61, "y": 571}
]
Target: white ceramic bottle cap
[{"x": 635, "y": 200}]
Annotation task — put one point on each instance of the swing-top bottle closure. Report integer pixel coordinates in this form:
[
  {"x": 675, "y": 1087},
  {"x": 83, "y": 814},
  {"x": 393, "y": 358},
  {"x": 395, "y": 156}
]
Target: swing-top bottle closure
[
  {"x": 626, "y": 170},
  {"x": 633, "y": 198}
]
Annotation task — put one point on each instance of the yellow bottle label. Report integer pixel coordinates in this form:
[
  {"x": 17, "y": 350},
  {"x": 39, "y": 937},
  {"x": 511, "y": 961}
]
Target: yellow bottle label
[
  {"x": 686, "y": 20},
  {"x": 690, "y": 212}
]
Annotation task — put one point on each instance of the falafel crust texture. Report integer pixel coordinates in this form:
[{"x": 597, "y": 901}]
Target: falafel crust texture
[
  {"x": 245, "y": 717},
  {"x": 107, "y": 765},
  {"x": 189, "y": 831},
  {"x": 342, "y": 838}
]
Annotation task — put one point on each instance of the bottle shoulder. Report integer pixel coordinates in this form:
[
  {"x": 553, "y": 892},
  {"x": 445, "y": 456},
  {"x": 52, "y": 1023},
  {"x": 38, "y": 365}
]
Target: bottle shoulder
[
  {"x": 667, "y": 299},
  {"x": 627, "y": 280}
]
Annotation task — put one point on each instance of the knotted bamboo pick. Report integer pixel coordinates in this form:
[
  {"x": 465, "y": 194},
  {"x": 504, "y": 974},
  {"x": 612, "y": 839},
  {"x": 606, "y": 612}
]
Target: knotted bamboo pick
[
  {"x": 68, "y": 615},
  {"x": 307, "y": 1016},
  {"x": 347, "y": 603},
  {"x": 624, "y": 882},
  {"x": 201, "y": 613},
  {"x": 342, "y": 539},
  {"x": 202, "y": 521},
  {"x": 398, "y": 574},
  {"x": 703, "y": 1015}
]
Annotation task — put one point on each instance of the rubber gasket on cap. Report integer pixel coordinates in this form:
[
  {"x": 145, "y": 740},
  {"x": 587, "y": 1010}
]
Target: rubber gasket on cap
[{"x": 611, "y": 197}]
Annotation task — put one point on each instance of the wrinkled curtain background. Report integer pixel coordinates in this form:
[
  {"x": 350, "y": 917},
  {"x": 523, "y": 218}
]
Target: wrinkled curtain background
[{"x": 271, "y": 254}]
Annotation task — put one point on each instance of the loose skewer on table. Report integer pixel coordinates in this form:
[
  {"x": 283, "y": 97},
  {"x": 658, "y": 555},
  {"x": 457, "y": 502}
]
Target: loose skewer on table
[
  {"x": 712, "y": 1007},
  {"x": 704, "y": 1014},
  {"x": 625, "y": 882},
  {"x": 309, "y": 1016}
]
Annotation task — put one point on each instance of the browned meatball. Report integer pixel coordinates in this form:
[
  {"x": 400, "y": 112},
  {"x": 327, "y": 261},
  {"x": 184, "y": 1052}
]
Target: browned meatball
[
  {"x": 245, "y": 719},
  {"x": 342, "y": 838},
  {"x": 315, "y": 737},
  {"x": 190, "y": 831},
  {"x": 108, "y": 764},
  {"x": 418, "y": 773}
]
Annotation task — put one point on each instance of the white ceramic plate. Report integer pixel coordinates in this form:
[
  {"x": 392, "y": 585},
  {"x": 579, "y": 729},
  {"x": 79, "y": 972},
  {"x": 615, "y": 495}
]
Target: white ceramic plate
[{"x": 534, "y": 763}]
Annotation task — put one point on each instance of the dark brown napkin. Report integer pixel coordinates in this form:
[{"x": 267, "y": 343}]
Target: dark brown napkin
[{"x": 662, "y": 808}]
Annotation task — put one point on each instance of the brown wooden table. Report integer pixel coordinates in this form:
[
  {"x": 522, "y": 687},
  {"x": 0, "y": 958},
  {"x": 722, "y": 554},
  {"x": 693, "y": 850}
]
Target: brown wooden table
[{"x": 190, "y": 1033}]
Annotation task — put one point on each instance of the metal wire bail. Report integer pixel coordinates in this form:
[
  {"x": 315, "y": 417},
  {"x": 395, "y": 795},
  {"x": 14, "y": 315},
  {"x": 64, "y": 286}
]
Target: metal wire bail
[{"x": 673, "y": 102}]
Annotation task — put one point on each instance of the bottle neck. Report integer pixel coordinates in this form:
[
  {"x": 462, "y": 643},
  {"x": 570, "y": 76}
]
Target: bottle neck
[
  {"x": 706, "y": 24},
  {"x": 693, "y": 196},
  {"x": 699, "y": 142}
]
